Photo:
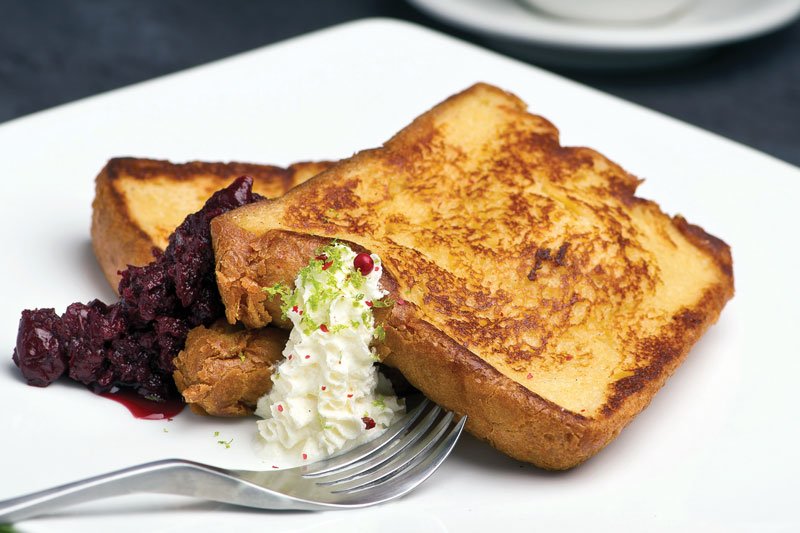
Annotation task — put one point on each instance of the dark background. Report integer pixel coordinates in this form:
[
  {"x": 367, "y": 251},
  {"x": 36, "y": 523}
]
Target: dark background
[{"x": 55, "y": 51}]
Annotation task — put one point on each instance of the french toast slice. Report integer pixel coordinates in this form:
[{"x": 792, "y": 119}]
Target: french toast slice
[
  {"x": 534, "y": 291},
  {"x": 139, "y": 202}
]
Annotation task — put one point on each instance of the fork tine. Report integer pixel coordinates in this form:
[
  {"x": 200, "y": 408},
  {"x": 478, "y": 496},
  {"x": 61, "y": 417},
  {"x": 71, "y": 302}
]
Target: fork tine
[
  {"x": 365, "y": 451},
  {"x": 397, "y": 462},
  {"x": 392, "y": 456},
  {"x": 412, "y": 435},
  {"x": 399, "y": 483}
]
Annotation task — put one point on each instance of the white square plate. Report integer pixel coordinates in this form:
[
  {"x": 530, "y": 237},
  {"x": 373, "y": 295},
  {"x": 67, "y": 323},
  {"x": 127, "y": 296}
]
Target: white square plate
[{"x": 715, "y": 451}]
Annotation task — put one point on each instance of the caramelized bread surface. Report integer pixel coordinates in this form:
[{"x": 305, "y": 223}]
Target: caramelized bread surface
[
  {"x": 139, "y": 202},
  {"x": 535, "y": 292}
]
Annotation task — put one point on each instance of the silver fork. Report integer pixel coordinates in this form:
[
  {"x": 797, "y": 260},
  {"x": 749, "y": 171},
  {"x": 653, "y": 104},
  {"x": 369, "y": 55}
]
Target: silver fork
[{"x": 404, "y": 456}]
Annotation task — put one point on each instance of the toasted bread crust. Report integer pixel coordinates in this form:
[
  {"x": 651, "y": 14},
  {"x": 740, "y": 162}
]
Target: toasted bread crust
[
  {"x": 543, "y": 298},
  {"x": 117, "y": 240},
  {"x": 127, "y": 226}
]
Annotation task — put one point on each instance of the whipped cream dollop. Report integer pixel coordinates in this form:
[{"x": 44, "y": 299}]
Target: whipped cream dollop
[{"x": 327, "y": 395}]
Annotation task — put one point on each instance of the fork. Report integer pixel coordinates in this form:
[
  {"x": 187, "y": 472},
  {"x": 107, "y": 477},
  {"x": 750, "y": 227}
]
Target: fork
[{"x": 388, "y": 467}]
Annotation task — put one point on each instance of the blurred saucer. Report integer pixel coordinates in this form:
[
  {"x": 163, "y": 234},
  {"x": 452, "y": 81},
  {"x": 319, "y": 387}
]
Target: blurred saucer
[{"x": 534, "y": 35}]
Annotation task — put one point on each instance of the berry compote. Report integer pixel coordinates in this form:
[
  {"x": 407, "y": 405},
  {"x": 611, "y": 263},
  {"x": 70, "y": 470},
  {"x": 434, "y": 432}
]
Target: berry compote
[{"x": 131, "y": 343}]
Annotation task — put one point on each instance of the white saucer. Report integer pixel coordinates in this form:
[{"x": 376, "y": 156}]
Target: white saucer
[{"x": 703, "y": 25}]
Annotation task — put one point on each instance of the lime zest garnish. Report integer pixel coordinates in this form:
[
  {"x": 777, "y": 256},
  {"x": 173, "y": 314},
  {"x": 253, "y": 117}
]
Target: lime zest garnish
[
  {"x": 279, "y": 288},
  {"x": 383, "y": 302},
  {"x": 339, "y": 327},
  {"x": 357, "y": 280},
  {"x": 308, "y": 324},
  {"x": 286, "y": 294},
  {"x": 322, "y": 423}
]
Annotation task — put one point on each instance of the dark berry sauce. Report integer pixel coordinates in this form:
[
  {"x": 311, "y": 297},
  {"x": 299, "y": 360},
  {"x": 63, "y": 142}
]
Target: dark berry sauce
[
  {"x": 130, "y": 344},
  {"x": 143, "y": 408}
]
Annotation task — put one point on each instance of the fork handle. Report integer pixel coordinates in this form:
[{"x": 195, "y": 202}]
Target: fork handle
[{"x": 169, "y": 476}]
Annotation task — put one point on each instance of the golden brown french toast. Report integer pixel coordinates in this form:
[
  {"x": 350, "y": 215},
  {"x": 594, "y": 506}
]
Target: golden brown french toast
[
  {"x": 535, "y": 292},
  {"x": 139, "y": 202}
]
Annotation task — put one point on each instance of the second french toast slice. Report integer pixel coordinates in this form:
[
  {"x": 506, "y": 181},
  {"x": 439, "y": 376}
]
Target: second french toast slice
[{"x": 139, "y": 202}]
